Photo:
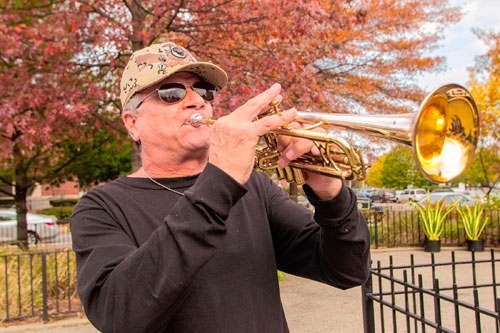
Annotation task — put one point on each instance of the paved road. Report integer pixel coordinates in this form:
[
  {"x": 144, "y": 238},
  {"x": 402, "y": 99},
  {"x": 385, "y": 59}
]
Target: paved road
[{"x": 312, "y": 307}]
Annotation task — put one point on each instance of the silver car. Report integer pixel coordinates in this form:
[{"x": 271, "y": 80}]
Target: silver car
[
  {"x": 40, "y": 227},
  {"x": 448, "y": 198}
]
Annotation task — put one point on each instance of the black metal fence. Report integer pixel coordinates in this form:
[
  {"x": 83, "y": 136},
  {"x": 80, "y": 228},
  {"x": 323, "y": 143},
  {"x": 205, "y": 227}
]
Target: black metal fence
[
  {"x": 39, "y": 284},
  {"x": 401, "y": 227},
  {"x": 413, "y": 298}
]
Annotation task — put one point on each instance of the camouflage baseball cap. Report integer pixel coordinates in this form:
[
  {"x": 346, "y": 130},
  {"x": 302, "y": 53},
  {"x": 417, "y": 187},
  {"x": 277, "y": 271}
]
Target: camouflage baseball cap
[{"x": 154, "y": 63}]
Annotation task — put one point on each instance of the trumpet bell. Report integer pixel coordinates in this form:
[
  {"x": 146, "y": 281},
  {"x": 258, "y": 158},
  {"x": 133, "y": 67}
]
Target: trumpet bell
[{"x": 445, "y": 133}]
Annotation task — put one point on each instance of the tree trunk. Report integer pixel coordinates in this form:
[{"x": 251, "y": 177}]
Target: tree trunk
[
  {"x": 490, "y": 188},
  {"x": 138, "y": 16},
  {"x": 22, "y": 210},
  {"x": 136, "y": 157},
  {"x": 20, "y": 196}
]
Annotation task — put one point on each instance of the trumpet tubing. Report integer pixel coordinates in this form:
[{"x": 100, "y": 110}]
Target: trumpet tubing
[{"x": 443, "y": 135}]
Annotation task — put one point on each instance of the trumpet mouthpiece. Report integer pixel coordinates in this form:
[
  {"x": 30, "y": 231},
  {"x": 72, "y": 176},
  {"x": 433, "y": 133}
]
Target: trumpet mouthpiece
[{"x": 196, "y": 120}]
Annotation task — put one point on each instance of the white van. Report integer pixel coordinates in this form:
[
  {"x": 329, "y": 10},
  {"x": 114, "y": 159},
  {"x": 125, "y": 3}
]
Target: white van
[{"x": 413, "y": 194}]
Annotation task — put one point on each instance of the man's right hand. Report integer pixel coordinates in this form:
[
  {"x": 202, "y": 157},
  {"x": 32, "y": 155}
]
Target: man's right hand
[{"x": 235, "y": 136}]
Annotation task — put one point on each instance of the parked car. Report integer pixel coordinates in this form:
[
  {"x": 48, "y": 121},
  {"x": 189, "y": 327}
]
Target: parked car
[
  {"x": 360, "y": 194},
  {"x": 40, "y": 227},
  {"x": 448, "y": 198},
  {"x": 442, "y": 189},
  {"x": 413, "y": 194},
  {"x": 383, "y": 196},
  {"x": 475, "y": 194}
]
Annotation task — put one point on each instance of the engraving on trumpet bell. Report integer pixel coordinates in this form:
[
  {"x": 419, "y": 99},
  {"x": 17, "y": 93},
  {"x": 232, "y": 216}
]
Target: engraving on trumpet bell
[{"x": 457, "y": 92}]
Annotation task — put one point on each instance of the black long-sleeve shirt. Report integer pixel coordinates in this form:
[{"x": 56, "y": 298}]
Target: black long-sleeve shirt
[{"x": 149, "y": 260}]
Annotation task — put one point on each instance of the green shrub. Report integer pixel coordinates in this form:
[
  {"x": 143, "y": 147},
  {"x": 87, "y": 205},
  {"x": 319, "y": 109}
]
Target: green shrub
[
  {"x": 63, "y": 202},
  {"x": 433, "y": 217},
  {"x": 473, "y": 220},
  {"x": 62, "y": 213}
]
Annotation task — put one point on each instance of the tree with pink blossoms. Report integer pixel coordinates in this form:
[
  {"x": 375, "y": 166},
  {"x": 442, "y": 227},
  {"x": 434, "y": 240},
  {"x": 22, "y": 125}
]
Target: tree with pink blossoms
[{"x": 50, "y": 109}]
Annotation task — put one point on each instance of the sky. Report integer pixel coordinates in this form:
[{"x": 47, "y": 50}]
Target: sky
[{"x": 461, "y": 46}]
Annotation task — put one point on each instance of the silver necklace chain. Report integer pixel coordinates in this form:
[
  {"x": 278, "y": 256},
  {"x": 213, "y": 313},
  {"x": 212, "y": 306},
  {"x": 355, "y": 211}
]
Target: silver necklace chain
[{"x": 161, "y": 185}]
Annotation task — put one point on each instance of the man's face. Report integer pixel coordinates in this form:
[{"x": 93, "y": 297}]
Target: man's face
[{"x": 165, "y": 128}]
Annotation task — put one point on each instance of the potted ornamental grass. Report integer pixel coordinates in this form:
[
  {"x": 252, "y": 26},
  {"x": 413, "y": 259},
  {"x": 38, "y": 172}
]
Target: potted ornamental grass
[
  {"x": 433, "y": 216},
  {"x": 474, "y": 223}
]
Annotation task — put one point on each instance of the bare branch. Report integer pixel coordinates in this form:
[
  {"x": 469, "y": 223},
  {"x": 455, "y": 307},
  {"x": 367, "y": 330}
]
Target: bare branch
[
  {"x": 174, "y": 16},
  {"x": 209, "y": 10},
  {"x": 108, "y": 123},
  {"x": 6, "y": 181},
  {"x": 101, "y": 12},
  {"x": 127, "y": 5},
  {"x": 485, "y": 171},
  {"x": 190, "y": 25},
  {"x": 7, "y": 192},
  {"x": 55, "y": 171},
  {"x": 140, "y": 6}
]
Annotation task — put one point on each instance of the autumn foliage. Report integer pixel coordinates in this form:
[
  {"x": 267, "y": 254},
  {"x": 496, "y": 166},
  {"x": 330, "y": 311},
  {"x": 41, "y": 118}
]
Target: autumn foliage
[
  {"x": 485, "y": 86},
  {"x": 61, "y": 61}
]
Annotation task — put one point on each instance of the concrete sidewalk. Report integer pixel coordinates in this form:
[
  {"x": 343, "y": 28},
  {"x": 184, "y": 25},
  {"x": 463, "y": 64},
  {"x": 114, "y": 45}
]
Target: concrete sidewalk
[
  {"x": 70, "y": 325},
  {"x": 312, "y": 307}
]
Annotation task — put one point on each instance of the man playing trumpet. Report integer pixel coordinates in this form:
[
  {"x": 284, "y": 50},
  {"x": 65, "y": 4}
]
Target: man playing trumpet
[{"x": 192, "y": 241}]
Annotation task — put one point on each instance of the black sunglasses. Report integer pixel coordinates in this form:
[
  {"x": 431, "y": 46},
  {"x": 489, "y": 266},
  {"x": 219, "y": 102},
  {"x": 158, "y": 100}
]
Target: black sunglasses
[{"x": 174, "y": 92}]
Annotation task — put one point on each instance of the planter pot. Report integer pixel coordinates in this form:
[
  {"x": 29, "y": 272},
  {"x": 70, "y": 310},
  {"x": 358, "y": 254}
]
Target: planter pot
[
  {"x": 475, "y": 245},
  {"x": 432, "y": 245}
]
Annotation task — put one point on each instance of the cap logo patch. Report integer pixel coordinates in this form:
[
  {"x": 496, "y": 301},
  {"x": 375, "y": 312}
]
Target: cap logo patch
[
  {"x": 162, "y": 68},
  {"x": 178, "y": 52}
]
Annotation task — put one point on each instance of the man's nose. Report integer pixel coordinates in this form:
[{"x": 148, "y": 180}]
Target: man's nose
[{"x": 193, "y": 99}]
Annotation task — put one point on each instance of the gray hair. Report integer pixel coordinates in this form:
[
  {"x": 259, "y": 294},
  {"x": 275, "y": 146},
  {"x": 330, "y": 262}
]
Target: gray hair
[
  {"x": 134, "y": 102},
  {"x": 132, "y": 106}
]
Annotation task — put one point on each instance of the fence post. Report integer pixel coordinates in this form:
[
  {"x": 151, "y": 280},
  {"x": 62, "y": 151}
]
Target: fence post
[
  {"x": 45, "y": 314},
  {"x": 6, "y": 262},
  {"x": 497, "y": 309},
  {"x": 368, "y": 313},
  {"x": 375, "y": 218},
  {"x": 437, "y": 305}
]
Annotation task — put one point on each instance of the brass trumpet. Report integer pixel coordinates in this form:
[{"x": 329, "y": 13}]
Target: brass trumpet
[{"x": 443, "y": 135}]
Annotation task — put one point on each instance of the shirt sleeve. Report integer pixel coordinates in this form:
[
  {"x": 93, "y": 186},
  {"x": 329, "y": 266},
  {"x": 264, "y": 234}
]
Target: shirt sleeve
[
  {"x": 125, "y": 288},
  {"x": 331, "y": 245}
]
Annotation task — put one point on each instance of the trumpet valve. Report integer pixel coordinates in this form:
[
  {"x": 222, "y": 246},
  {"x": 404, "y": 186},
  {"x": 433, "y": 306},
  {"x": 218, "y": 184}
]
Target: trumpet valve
[{"x": 274, "y": 107}]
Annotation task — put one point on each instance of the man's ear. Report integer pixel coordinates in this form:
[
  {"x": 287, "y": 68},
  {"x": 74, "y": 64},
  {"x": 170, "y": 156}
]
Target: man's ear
[{"x": 129, "y": 119}]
